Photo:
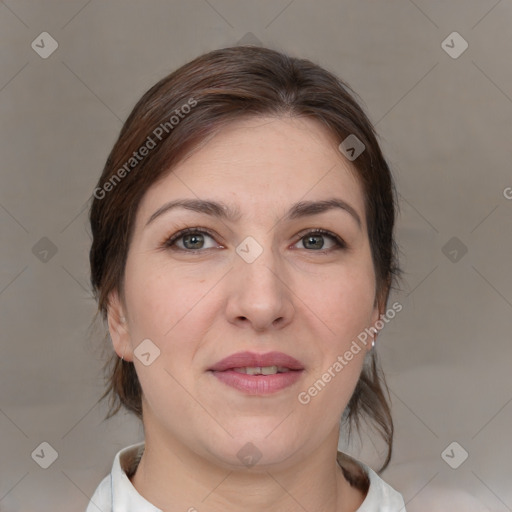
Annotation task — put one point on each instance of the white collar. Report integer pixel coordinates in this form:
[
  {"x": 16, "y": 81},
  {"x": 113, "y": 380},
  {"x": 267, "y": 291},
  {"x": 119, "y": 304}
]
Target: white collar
[{"x": 123, "y": 497}]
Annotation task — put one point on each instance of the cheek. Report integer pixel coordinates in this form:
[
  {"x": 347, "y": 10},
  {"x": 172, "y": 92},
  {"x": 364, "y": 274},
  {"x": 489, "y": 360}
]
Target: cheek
[
  {"x": 163, "y": 299},
  {"x": 166, "y": 307},
  {"x": 344, "y": 303}
]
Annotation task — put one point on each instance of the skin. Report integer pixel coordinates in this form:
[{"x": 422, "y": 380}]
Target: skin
[{"x": 200, "y": 306}]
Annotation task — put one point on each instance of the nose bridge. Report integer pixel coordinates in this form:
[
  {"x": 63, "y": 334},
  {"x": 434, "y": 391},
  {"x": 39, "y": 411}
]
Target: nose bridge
[
  {"x": 258, "y": 263},
  {"x": 259, "y": 293}
]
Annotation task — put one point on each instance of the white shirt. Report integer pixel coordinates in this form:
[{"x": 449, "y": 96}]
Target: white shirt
[{"x": 116, "y": 493}]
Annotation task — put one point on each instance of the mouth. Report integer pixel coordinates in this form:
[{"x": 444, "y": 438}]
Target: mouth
[
  {"x": 258, "y": 374},
  {"x": 271, "y": 361},
  {"x": 262, "y": 370}
]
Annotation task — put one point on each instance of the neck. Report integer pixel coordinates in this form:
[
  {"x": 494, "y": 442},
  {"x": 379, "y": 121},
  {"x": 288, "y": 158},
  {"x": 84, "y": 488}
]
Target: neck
[{"x": 174, "y": 479}]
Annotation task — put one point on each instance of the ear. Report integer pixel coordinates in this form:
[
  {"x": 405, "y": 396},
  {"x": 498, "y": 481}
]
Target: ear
[
  {"x": 118, "y": 327},
  {"x": 374, "y": 317}
]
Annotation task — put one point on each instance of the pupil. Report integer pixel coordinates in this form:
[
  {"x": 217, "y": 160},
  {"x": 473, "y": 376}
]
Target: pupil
[
  {"x": 195, "y": 239},
  {"x": 320, "y": 242}
]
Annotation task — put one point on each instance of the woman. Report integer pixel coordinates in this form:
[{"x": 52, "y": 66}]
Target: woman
[{"x": 242, "y": 256}]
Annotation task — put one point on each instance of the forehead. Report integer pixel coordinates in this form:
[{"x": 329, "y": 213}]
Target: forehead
[{"x": 262, "y": 163}]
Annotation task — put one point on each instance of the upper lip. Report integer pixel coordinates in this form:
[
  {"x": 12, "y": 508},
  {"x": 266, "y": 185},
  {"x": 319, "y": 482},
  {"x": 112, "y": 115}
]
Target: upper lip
[{"x": 254, "y": 360}]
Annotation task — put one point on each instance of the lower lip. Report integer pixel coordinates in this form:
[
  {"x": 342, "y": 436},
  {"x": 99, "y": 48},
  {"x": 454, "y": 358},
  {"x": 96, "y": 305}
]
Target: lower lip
[{"x": 258, "y": 384}]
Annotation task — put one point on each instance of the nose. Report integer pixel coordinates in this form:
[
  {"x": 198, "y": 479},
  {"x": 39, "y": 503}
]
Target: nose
[{"x": 259, "y": 294}]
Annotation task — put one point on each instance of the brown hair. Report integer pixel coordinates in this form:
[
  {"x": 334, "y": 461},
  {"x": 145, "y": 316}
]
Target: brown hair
[{"x": 180, "y": 112}]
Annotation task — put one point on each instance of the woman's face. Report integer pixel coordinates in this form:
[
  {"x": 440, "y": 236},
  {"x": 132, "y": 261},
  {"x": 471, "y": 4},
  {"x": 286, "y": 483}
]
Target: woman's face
[{"x": 255, "y": 285}]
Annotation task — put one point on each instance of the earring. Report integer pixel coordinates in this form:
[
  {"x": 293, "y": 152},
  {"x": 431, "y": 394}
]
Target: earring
[{"x": 373, "y": 343}]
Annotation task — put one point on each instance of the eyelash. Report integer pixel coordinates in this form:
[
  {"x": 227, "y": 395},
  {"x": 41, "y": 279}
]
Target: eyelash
[{"x": 169, "y": 242}]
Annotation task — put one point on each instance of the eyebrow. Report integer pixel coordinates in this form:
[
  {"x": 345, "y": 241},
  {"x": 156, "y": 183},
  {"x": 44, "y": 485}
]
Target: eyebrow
[{"x": 229, "y": 213}]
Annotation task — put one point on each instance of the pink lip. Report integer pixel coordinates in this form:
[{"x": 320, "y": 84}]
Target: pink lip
[
  {"x": 243, "y": 359},
  {"x": 258, "y": 384}
]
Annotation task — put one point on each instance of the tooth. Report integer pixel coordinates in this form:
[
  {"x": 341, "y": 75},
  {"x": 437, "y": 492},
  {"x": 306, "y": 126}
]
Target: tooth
[
  {"x": 261, "y": 370},
  {"x": 253, "y": 370}
]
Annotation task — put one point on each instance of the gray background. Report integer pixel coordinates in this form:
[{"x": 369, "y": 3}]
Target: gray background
[{"x": 445, "y": 125}]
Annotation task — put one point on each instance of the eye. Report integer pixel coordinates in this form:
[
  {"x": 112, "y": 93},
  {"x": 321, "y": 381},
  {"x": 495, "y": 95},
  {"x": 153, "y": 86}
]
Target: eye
[
  {"x": 315, "y": 240},
  {"x": 190, "y": 240},
  {"x": 196, "y": 240}
]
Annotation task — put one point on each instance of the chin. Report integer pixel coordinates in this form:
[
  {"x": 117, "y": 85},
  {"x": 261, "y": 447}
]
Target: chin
[{"x": 259, "y": 451}]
